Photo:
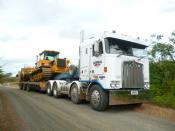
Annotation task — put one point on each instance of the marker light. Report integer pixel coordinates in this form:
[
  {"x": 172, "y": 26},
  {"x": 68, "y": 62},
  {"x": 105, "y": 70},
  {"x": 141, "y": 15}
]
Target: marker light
[{"x": 105, "y": 69}]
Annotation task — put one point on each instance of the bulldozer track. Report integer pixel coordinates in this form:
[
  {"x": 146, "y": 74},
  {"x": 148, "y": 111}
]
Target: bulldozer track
[
  {"x": 47, "y": 74},
  {"x": 42, "y": 73}
]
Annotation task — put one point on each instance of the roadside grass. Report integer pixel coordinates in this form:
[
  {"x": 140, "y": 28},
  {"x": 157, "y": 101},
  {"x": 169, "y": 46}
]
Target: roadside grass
[{"x": 164, "y": 100}]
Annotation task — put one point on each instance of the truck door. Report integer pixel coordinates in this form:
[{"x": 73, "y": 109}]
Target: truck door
[
  {"x": 85, "y": 63},
  {"x": 97, "y": 61}
]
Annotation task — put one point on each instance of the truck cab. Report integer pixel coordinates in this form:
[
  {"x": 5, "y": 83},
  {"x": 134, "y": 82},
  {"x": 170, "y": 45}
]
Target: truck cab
[{"x": 115, "y": 62}]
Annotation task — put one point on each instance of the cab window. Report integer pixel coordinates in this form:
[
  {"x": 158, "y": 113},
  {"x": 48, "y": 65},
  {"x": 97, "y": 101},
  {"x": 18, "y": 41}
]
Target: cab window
[{"x": 98, "y": 50}]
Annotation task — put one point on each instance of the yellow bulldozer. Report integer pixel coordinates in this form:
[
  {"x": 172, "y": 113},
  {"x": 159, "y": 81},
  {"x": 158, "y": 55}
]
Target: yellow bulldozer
[{"x": 47, "y": 66}]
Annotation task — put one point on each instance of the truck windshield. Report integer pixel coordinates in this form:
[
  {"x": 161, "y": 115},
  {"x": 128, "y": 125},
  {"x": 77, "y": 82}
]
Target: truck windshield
[
  {"x": 139, "y": 52},
  {"x": 117, "y": 46}
]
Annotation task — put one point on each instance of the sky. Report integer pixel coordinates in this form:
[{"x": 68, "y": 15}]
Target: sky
[{"x": 28, "y": 27}]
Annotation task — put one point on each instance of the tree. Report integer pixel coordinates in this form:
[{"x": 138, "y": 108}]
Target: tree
[
  {"x": 1, "y": 74},
  {"x": 162, "y": 51},
  {"x": 172, "y": 37},
  {"x": 162, "y": 70}
]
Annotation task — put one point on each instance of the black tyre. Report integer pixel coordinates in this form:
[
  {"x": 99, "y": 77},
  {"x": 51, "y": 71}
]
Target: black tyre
[
  {"x": 28, "y": 88},
  {"x": 74, "y": 94},
  {"x": 20, "y": 86},
  {"x": 99, "y": 98},
  {"x": 49, "y": 90},
  {"x": 56, "y": 91},
  {"x": 24, "y": 87}
]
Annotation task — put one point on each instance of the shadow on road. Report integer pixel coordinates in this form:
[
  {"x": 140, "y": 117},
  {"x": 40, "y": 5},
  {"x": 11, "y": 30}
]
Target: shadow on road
[{"x": 124, "y": 107}]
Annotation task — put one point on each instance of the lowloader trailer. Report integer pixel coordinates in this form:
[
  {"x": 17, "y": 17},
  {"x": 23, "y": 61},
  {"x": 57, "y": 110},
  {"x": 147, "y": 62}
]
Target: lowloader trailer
[{"x": 107, "y": 64}]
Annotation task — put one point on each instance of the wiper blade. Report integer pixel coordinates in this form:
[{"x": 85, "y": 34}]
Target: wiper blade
[
  {"x": 120, "y": 54},
  {"x": 141, "y": 57}
]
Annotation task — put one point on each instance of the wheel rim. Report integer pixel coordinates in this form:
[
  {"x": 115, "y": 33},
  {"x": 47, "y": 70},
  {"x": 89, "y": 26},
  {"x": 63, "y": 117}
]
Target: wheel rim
[
  {"x": 55, "y": 92},
  {"x": 24, "y": 87},
  {"x": 74, "y": 94},
  {"x": 95, "y": 97},
  {"x": 48, "y": 90}
]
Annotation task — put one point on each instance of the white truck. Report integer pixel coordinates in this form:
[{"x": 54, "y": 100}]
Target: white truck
[{"x": 107, "y": 64}]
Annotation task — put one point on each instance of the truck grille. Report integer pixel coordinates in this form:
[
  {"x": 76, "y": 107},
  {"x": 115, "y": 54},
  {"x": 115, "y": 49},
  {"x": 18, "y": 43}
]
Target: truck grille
[{"x": 132, "y": 75}]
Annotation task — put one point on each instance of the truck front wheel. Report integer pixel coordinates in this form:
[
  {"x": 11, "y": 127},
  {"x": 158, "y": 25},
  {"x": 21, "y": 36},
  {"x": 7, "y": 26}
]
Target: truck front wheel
[{"x": 99, "y": 98}]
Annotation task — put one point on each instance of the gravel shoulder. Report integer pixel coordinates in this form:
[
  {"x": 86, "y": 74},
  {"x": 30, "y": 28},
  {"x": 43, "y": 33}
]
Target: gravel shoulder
[
  {"x": 148, "y": 109},
  {"x": 36, "y": 111},
  {"x": 9, "y": 118}
]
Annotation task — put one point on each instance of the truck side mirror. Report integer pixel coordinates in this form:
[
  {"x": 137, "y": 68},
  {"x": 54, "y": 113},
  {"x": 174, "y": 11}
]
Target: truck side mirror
[{"x": 96, "y": 49}]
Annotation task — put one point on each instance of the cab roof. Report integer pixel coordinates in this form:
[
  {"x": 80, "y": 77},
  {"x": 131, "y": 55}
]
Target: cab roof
[
  {"x": 123, "y": 37},
  {"x": 117, "y": 36},
  {"x": 50, "y": 51}
]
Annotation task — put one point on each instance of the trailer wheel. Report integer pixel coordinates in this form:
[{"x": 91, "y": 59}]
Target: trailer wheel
[
  {"x": 24, "y": 87},
  {"x": 20, "y": 86},
  {"x": 56, "y": 90},
  {"x": 28, "y": 87},
  {"x": 99, "y": 99},
  {"x": 74, "y": 94},
  {"x": 49, "y": 91}
]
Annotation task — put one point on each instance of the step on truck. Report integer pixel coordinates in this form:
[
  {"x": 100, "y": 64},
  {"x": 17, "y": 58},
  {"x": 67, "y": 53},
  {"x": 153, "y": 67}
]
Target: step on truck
[
  {"x": 107, "y": 64},
  {"x": 111, "y": 63}
]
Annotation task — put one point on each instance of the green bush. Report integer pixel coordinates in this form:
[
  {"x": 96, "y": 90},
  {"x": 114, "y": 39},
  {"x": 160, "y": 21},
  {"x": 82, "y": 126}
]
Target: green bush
[
  {"x": 162, "y": 84},
  {"x": 165, "y": 100}
]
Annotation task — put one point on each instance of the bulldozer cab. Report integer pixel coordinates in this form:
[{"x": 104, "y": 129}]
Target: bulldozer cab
[
  {"x": 49, "y": 55},
  {"x": 46, "y": 58}
]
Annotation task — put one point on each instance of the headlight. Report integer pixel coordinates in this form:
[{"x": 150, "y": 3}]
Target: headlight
[
  {"x": 146, "y": 85},
  {"x": 115, "y": 84}
]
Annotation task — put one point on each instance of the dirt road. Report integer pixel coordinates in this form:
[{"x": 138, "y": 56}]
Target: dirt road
[{"x": 36, "y": 111}]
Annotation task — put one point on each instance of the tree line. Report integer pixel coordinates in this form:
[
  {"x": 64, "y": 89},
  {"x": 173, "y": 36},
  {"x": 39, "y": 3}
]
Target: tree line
[
  {"x": 162, "y": 70},
  {"x": 5, "y": 77}
]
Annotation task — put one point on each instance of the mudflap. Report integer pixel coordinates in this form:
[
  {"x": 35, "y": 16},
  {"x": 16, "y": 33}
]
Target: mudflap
[{"x": 115, "y": 98}]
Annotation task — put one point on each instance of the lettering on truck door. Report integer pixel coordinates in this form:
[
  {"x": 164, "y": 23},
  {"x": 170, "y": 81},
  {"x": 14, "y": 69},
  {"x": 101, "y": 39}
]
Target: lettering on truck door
[{"x": 97, "y": 61}]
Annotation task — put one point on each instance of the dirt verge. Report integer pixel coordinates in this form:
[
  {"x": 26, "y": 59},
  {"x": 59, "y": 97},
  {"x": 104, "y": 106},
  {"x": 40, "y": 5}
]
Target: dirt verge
[
  {"x": 157, "y": 111},
  {"x": 9, "y": 119},
  {"x": 148, "y": 108}
]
